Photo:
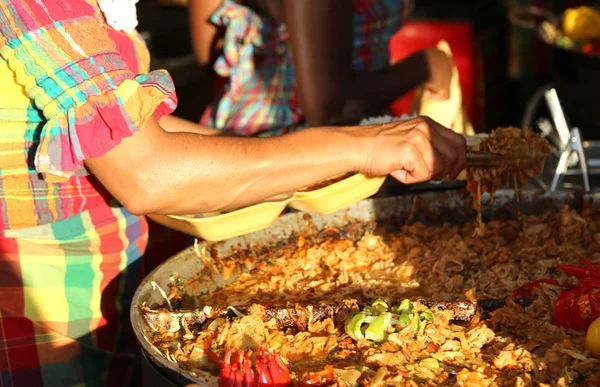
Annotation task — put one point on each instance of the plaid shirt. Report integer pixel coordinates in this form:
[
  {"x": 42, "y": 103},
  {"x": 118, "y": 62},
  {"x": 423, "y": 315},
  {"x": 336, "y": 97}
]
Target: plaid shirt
[
  {"x": 69, "y": 261},
  {"x": 261, "y": 95},
  {"x": 68, "y": 92}
]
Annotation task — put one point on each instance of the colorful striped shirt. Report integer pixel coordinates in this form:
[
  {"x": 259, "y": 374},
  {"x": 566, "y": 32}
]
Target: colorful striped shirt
[
  {"x": 70, "y": 90},
  {"x": 260, "y": 97}
]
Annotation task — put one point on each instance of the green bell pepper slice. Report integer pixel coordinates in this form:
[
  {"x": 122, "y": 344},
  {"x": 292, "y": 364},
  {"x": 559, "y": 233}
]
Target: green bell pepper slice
[
  {"x": 404, "y": 320},
  {"x": 353, "y": 326},
  {"x": 379, "y": 306},
  {"x": 377, "y": 330}
]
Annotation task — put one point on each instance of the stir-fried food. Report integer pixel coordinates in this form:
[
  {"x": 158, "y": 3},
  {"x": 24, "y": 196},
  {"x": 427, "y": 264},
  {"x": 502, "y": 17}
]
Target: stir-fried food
[
  {"x": 376, "y": 308},
  {"x": 523, "y": 151},
  {"x": 520, "y": 155},
  {"x": 326, "y": 183}
]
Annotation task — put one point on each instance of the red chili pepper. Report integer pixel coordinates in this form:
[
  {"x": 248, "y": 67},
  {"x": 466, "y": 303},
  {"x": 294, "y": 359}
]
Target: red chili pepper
[
  {"x": 576, "y": 271},
  {"x": 587, "y": 271},
  {"x": 236, "y": 370},
  {"x": 588, "y": 284},
  {"x": 264, "y": 376},
  {"x": 593, "y": 270},
  {"x": 527, "y": 289},
  {"x": 248, "y": 372},
  {"x": 561, "y": 310},
  {"x": 279, "y": 371},
  {"x": 211, "y": 355},
  {"x": 226, "y": 379}
]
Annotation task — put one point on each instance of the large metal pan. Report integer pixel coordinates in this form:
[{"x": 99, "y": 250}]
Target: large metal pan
[{"x": 434, "y": 207}]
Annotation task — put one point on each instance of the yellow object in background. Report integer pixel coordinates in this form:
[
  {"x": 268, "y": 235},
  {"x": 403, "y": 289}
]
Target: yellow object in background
[
  {"x": 450, "y": 112},
  {"x": 592, "y": 338},
  {"x": 581, "y": 23}
]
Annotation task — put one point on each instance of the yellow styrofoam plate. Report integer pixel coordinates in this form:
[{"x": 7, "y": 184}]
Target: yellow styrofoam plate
[
  {"x": 223, "y": 226},
  {"x": 338, "y": 195}
]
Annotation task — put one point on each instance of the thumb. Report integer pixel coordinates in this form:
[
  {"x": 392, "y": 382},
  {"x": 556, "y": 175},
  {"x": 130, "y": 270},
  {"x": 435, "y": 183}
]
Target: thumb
[
  {"x": 404, "y": 177},
  {"x": 436, "y": 95},
  {"x": 400, "y": 175}
]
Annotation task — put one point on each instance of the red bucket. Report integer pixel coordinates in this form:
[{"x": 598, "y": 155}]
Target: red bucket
[{"x": 418, "y": 35}]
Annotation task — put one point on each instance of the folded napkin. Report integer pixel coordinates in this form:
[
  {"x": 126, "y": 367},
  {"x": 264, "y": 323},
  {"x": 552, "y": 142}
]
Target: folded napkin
[{"x": 450, "y": 112}]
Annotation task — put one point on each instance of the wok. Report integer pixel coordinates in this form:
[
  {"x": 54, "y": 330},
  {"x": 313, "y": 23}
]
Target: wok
[{"x": 367, "y": 215}]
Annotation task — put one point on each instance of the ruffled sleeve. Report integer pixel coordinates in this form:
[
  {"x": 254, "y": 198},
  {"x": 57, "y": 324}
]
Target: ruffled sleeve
[{"x": 62, "y": 55}]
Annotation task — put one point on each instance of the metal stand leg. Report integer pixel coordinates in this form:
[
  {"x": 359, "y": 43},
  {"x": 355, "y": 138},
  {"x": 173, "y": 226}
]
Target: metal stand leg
[
  {"x": 568, "y": 143},
  {"x": 574, "y": 146},
  {"x": 583, "y": 163},
  {"x": 561, "y": 169},
  {"x": 538, "y": 180}
]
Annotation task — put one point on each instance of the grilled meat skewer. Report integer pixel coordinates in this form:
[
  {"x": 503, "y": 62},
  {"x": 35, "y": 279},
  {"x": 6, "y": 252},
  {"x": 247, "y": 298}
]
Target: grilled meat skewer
[{"x": 297, "y": 316}]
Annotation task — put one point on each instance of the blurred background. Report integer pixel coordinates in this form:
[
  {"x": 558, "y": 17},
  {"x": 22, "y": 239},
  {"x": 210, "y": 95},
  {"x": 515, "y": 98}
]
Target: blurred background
[{"x": 501, "y": 62}]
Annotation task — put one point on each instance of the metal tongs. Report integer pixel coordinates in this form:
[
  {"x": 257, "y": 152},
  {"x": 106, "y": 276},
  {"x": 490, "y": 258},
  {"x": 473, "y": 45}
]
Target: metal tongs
[{"x": 483, "y": 160}]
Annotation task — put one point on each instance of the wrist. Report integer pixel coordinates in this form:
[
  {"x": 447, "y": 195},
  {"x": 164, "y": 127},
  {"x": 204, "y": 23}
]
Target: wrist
[{"x": 356, "y": 144}]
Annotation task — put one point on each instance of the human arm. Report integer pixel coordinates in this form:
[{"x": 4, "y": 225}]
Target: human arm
[
  {"x": 329, "y": 91},
  {"x": 204, "y": 34},
  {"x": 172, "y": 123},
  {"x": 179, "y": 173}
]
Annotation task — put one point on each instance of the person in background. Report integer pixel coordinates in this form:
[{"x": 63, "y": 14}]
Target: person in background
[
  {"x": 88, "y": 146},
  {"x": 293, "y": 63}
]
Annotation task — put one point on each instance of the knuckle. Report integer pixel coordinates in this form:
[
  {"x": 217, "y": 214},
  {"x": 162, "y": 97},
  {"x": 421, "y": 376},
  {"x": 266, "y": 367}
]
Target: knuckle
[
  {"x": 408, "y": 149},
  {"x": 422, "y": 125},
  {"x": 420, "y": 137}
]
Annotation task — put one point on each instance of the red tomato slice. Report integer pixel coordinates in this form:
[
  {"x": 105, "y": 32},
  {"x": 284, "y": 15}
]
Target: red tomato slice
[
  {"x": 561, "y": 310},
  {"x": 595, "y": 302},
  {"x": 577, "y": 308}
]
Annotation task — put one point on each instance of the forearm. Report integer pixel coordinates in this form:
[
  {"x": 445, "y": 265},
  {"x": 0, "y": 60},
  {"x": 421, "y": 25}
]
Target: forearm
[
  {"x": 204, "y": 35},
  {"x": 379, "y": 89},
  {"x": 174, "y": 124},
  {"x": 360, "y": 95},
  {"x": 191, "y": 173},
  {"x": 211, "y": 178}
]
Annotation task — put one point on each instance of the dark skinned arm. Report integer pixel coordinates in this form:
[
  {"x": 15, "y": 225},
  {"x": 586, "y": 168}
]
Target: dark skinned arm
[
  {"x": 330, "y": 92},
  {"x": 205, "y": 35}
]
